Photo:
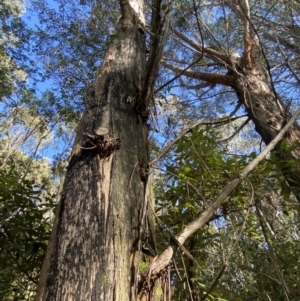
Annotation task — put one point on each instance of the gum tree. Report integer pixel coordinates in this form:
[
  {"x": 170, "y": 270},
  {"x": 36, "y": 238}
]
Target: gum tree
[{"x": 95, "y": 246}]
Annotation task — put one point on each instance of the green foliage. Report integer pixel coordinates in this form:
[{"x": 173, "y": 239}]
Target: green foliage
[
  {"x": 247, "y": 231},
  {"x": 10, "y": 28},
  {"x": 199, "y": 171},
  {"x": 70, "y": 42},
  {"x": 28, "y": 187},
  {"x": 25, "y": 225}
]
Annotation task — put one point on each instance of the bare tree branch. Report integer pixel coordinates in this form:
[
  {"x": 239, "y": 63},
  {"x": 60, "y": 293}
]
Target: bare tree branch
[
  {"x": 167, "y": 148},
  {"x": 235, "y": 132},
  {"x": 213, "y": 54},
  {"x": 215, "y": 282},
  {"x": 178, "y": 75},
  {"x": 212, "y": 78}
]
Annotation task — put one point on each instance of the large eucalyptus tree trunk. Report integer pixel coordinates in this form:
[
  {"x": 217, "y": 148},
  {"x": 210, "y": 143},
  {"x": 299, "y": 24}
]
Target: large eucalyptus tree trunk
[{"x": 94, "y": 249}]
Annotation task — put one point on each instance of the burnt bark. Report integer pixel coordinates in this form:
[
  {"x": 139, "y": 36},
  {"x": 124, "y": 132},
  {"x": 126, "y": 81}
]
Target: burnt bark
[{"x": 93, "y": 252}]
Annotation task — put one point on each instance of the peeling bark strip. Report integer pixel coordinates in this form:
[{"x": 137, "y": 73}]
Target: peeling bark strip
[{"x": 98, "y": 220}]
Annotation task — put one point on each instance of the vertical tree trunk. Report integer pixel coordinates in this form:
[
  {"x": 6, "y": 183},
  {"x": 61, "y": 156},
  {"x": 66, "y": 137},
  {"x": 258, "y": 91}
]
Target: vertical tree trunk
[
  {"x": 254, "y": 89},
  {"x": 93, "y": 251},
  {"x": 268, "y": 113}
]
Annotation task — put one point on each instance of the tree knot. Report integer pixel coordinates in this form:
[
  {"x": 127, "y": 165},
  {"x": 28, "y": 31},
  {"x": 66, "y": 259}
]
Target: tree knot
[
  {"x": 105, "y": 145},
  {"x": 144, "y": 169}
]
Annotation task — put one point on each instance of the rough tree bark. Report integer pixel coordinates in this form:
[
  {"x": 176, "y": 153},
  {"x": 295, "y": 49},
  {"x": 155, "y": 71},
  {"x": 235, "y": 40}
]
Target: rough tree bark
[{"x": 93, "y": 252}]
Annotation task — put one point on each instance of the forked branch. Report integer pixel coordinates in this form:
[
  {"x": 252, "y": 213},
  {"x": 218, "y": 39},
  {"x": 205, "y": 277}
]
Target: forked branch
[
  {"x": 212, "y": 78},
  {"x": 213, "y": 54}
]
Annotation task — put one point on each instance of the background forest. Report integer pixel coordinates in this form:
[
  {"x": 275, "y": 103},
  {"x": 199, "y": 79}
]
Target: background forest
[{"x": 201, "y": 135}]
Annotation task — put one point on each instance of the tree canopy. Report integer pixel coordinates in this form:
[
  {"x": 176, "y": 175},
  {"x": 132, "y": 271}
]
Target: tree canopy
[{"x": 222, "y": 79}]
